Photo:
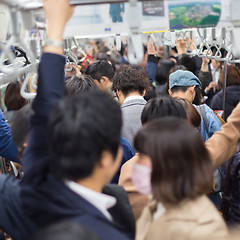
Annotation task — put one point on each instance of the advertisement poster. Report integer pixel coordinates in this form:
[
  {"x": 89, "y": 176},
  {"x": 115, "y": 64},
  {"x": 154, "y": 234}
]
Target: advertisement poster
[
  {"x": 194, "y": 13},
  {"x": 113, "y": 18}
]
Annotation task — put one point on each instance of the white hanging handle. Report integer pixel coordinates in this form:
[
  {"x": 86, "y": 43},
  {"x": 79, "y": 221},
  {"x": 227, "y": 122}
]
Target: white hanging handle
[
  {"x": 204, "y": 44},
  {"x": 23, "y": 92},
  {"x": 118, "y": 42},
  {"x": 173, "y": 39},
  {"x": 135, "y": 49},
  {"x": 135, "y": 44}
]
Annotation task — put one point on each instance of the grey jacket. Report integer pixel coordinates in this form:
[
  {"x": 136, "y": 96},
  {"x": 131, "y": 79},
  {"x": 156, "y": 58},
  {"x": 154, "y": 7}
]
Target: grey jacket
[{"x": 131, "y": 113}]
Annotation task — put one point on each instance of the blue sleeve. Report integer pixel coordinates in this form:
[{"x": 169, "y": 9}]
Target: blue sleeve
[
  {"x": 151, "y": 67},
  {"x": 8, "y": 148},
  {"x": 50, "y": 90},
  {"x": 128, "y": 152},
  {"x": 213, "y": 122}
]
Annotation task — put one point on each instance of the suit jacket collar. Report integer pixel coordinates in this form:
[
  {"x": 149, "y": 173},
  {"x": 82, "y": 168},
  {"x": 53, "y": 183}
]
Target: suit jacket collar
[{"x": 71, "y": 205}]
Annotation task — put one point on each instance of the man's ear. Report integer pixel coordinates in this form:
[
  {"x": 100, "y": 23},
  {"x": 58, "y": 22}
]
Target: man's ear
[
  {"x": 170, "y": 92},
  {"x": 121, "y": 96},
  {"x": 104, "y": 80},
  {"x": 192, "y": 89},
  {"x": 144, "y": 92},
  {"x": 106, "y": 159},
  {"x": 119, "y": 93}
]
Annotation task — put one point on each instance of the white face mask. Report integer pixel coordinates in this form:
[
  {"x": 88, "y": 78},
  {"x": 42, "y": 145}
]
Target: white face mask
[{"x": 141, "y": 178}]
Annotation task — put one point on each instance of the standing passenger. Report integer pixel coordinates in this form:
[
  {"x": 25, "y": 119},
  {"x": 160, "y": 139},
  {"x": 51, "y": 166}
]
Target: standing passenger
[
  {"x": 74, "y": 152},
  {"x": 175, "y": 168},
  {"x": 130, "y": 84}
]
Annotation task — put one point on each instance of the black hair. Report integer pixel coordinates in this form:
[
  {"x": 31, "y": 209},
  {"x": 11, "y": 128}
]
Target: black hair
[
  {"x": 222, "y": 51},
  {"x": 162, "y": 107},
  {"x": 81, "y": 127},
  {"x": 75, "y": 85},
  {"x": 130, "y": 79},
  {"x": 188, "y": 62},
  {"x": 163, "y": 70},
  {"x": 65, "y": 231},
  {"x": 150, "y": 93},
  {"x": 99, "y": 69},
  {"x": 179, "y": 88},
  {"x": 20, "y": 125}
]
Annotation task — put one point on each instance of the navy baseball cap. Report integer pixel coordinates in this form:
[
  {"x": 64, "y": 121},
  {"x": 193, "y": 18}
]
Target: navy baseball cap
[{"x": 182, "y": 78}]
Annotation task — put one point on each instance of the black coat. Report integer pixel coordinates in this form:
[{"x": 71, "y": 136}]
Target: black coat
[
  {"x": 234, "y": 206},
  {"x": 232, "y": 99}
]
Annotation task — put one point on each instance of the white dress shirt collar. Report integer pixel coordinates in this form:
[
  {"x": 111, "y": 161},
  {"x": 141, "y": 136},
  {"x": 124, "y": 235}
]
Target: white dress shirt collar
[
  {"x": 132, "y": 98},
  {"x": 215, "y": 73},
  {"x": 99, "y": 200}
]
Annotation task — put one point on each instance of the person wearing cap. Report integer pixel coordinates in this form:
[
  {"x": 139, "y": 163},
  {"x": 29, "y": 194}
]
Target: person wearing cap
[{"x": 183, "y": 84}]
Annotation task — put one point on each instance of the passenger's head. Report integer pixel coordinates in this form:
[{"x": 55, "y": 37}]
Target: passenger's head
[
  {"x": 113, "y": 57},
  {"x": 233, "y": 76},
  {"x": 220, "y": 53},
  {"x": 162, "y": 107},
  {"x": 181, "y": 168},
  {"x": 65, "y": 231},
  {"x": 13, "y": 99},
  {"x": 75, "y": 85},
  {"x": 20, "y": 127},
  {"x": 150, "y": 90},
  {"x": 130, "y": 80},
  {"x": 163, "y": 70},
  {"x": 84, "y": 134},
  {"x": 182, "y": 84},
  {"x": 189, "y": 62},
  {"x": 102, "y": 73},
  {"x": 192, "y": 114},
  {"x": 172, "y": 70}
]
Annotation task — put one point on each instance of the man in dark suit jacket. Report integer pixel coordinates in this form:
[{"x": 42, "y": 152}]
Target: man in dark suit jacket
[
  {"x": 82, "y": 136},
  {"x": 130, "y": 84}
]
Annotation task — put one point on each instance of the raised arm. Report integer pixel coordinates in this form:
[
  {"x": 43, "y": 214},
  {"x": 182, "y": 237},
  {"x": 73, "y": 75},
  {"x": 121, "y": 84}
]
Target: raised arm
[
  {"x": 152, "y": 61},
  {"x": 50, "y": 85},
  {"x": 222, "y": 145}
]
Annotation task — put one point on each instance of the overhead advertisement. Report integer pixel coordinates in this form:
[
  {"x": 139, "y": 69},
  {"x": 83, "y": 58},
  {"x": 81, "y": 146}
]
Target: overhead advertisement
[
  {"x": 113, "y": 18},
  {"x": 194, "y": 13},
  {"x": 110, "y": 17}
]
